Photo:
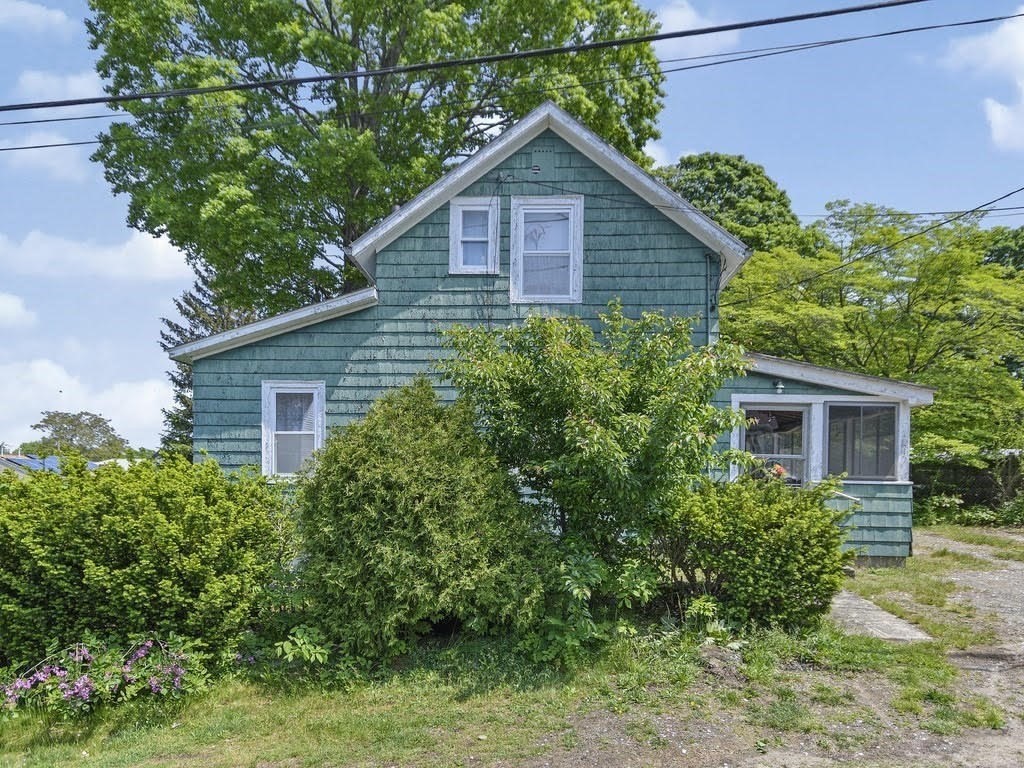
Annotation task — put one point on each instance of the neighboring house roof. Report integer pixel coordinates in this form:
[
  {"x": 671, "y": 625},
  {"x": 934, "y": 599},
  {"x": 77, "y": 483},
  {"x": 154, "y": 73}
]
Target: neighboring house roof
[
  {"x": 914, "y": 394},
  {"x": 272, "y": 326},
  {"x": 549, "y": 116},
  {"x": 30, "y": 463}
]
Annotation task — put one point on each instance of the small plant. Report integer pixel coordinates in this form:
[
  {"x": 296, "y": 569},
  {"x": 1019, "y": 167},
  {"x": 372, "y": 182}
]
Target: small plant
[
  {"x": 82, "y": 678},
  {"x": 304, "y": 644}
]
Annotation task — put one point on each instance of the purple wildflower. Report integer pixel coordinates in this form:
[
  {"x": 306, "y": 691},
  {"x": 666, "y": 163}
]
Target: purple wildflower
[{"x": 154, "y": 685}]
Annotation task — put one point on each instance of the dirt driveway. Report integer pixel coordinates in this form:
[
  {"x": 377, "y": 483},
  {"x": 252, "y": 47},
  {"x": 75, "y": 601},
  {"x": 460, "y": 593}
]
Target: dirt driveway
[{"x": 870, "y": 732}]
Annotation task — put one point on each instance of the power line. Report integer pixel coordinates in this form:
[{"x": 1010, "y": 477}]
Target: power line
[
  {"x": 788, "y": 48},
  {"x": 463, "y": 62},
  {"x": 875, "y": 251}
]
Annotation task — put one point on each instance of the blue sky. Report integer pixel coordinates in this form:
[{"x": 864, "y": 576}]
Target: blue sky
[{"x": 931, "y": 121}]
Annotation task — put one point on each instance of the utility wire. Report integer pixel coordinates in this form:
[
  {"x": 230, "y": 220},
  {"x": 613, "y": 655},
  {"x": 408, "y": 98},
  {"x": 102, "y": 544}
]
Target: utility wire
[
  {"x": 452, "y": 63},
  {"x": 737, "y": 56}
]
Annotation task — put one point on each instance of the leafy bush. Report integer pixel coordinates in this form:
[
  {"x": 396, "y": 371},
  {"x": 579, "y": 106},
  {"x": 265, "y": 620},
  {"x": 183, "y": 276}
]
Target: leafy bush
[
  {"x": 602, "y": 427},
  {"x": 170, "y": 549},
  {"x": 939, "y": 508},
  {"x": 406, "y": 520},
  {"x": 768, "y": 553},
  {"x": 83, "y": 677}
]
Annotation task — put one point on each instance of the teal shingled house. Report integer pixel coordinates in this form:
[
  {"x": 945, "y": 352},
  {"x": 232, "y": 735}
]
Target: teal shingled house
[{"x": 546, "y": 218}]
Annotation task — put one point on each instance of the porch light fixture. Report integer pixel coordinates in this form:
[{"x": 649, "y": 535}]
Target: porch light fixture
[{"x": 779, "y": 386}]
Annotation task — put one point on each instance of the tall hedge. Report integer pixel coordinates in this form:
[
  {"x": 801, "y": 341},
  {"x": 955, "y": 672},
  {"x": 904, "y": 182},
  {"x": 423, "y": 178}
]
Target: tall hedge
[
  {"x": 408, "y": 520},
  {"x": 119, "y": 552}
]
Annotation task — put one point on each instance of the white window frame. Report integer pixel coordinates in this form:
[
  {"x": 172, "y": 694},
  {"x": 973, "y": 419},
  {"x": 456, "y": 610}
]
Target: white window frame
[
  {"x": 817, "y": 430},
  {"x": 270, "y": 390},
  {"x": 455, "y": 208},
  {"x": 804, "y": 454},
  {"x": 523, "y": 205}
]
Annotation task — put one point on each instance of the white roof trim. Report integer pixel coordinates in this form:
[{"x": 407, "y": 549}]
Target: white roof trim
[
  {"x": 733, "y": 253},
  {"x": 273, "y": 326},
  {"x": 913, "y": 394}
]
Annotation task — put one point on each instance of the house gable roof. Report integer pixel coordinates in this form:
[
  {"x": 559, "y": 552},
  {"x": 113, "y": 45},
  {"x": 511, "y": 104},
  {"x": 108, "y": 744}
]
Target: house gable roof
[
  {"x": 549, "y": 116},
  {"x": 861, "y": 383},
  {"x": 272, "y": 326}
]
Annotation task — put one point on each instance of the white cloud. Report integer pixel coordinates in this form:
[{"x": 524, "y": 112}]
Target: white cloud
[
  {"x": 14, "y": 313},
  {"x": 140, "y": 258},
  {"x": 679, "y": 15},
  {"x": 38, "y": 85},
  {"x": 658, "y": 152},
  {"x": 33, "y": 17},
  {"x": 29, "y": 387},
  {"x": 1000, "y": 53},
  {"x": 59, "y": 163}
]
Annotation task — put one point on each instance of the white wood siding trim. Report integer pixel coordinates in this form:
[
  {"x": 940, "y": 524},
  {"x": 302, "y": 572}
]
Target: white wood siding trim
[
  {"x": 549, "y": 116},
  {"x": 276, "y": 325},
  {"x": 455, "y": 208},
  {"x": 768, "y": 365},
  {"x": 268, "y": 412}
]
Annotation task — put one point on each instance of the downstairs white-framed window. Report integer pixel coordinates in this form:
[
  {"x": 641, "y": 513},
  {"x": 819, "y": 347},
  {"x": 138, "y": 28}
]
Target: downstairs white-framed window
[
  {"x": 862, "y": 441},
  {"x": 473, "y": 236},
  {"x": 778, "y": 436},
  {"x": 546, "y": 253},
  {"x": 293, "y": 419}
]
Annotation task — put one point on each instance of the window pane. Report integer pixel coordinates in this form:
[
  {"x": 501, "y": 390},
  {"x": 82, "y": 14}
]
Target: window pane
[
  {"x": 775, "y": 433},
  {"x": 474, "y": 254},
  {"x": 546, "y": 275},
  {"x": 474, "y": 224},
  {"x": 546, "y": 231},
  {"x": 290, "y": 451},
  {"x": 294, "y": 412},
  {"x": 862, "y": 441}
]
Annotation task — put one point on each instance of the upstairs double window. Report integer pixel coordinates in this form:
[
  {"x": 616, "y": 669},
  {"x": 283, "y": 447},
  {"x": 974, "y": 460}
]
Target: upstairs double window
[
  {"x": 293, "y": 424},
  {"x": 545, "y": 245}
]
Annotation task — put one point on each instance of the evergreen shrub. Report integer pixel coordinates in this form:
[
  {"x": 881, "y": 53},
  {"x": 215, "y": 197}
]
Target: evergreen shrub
[
  {"x": 767, "y": 552},
  {"x": 407, "y": 521}
]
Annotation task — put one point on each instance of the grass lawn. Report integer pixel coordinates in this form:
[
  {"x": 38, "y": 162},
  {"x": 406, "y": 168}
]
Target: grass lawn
[{"x": 479, "y": 703}]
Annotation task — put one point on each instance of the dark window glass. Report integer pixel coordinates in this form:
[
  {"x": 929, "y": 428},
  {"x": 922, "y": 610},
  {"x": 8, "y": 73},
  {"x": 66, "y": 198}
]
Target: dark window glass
[{"x": 862, "y": 441}]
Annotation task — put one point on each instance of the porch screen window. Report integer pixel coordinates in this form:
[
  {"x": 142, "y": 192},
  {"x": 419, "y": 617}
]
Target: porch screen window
[
  {"x": 862, "y": 441},
  {"x": 777, "y": 436},
  {"x": 547, "y": 250},
  {"x": 473, "y": 236},
  {"x": 293, "y": 424}
]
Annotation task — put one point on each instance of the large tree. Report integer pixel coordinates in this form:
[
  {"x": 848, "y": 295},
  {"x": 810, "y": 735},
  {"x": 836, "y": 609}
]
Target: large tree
[
  {"x": 885, "y": 295},
  {"x": 740, "y": 196},
  {"x": 83, "y": 432},
  {"x": 267, "y": 187},
  {"x": 203, "y": 312}
]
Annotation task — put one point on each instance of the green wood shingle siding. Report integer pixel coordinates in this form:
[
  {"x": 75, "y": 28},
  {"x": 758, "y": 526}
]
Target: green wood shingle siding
[
  {"x": 630, "y": 251},
  {"x": 881, "y": 527}
]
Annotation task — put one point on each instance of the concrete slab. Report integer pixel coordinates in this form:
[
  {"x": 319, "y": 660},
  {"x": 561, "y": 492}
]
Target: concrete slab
[{"x": 862, "y": 617}]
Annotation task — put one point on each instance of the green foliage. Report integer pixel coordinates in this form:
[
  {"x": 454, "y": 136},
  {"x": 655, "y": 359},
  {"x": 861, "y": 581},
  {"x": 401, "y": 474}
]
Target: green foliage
[
  {"x": 169, "y": 549},
  {"x": 86, "y": 433},
  {"x": 601, "y": 428},
  {"x": 767, "y": 552},
  {"x": 875, "y": 300},
  {"x": 740, "y": 196},
  {"x": 86, "y": 676},
  {"x": 267, "y": 187},
  {"x": 406, "y": 520}
]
